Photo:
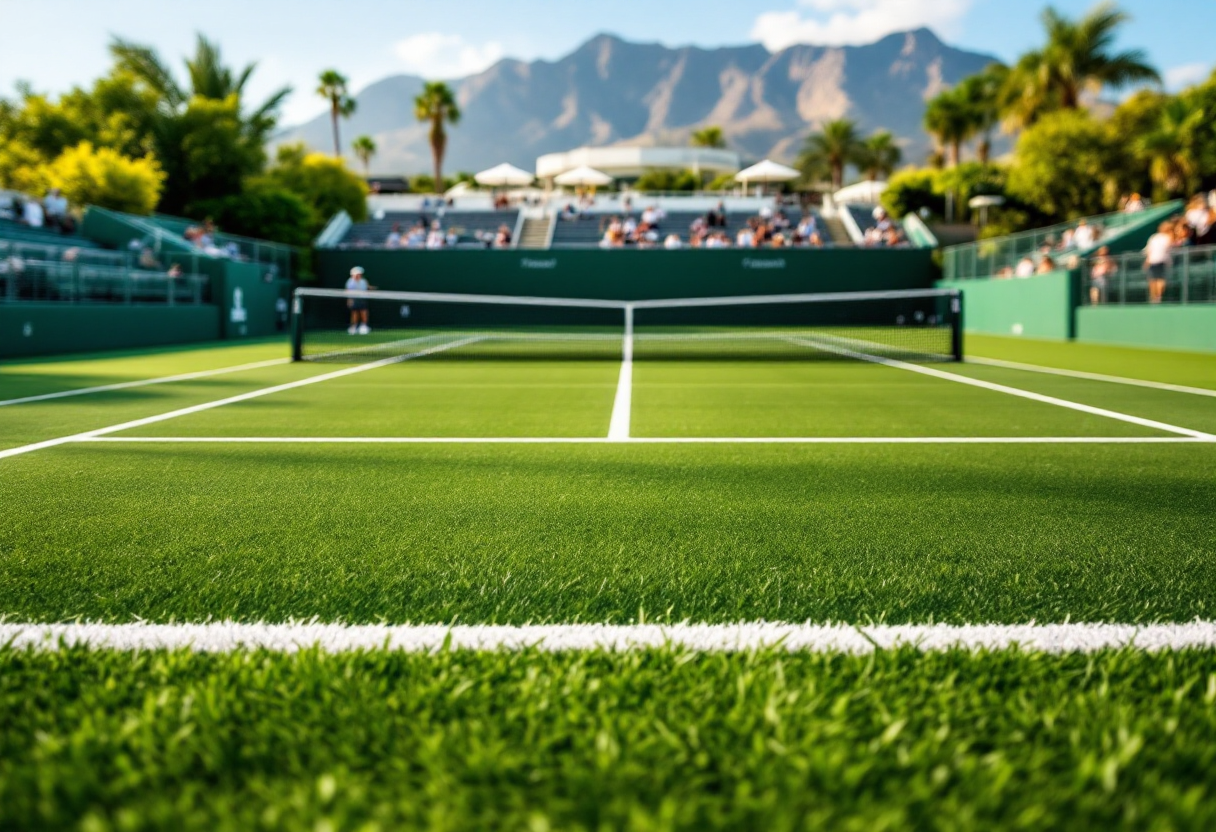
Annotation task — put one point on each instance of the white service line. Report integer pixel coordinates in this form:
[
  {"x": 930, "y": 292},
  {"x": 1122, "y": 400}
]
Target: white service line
[
  {"x": 654, "y": 440},
  {"x": 622, "y": 405},
  {"x": 1056, "y": 371},
  {"x": 123, "y": 385},
  {"x": 198, "y": 408},
  {"x": 225, "y": 637},
  {"x": 1012, "y": 391}
]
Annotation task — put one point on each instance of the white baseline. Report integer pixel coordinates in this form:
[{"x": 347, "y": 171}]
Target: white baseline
[
  {"x": 653, "y": 440},
  {"x": 224, "y": 637}
]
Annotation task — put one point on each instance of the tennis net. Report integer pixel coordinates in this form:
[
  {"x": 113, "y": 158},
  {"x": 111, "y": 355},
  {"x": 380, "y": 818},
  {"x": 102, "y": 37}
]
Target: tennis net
[{"x": 343, "y": 326}]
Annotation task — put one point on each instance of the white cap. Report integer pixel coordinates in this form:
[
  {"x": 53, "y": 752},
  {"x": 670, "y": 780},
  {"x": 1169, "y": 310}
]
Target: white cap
[{"x": 357, "y": 270}]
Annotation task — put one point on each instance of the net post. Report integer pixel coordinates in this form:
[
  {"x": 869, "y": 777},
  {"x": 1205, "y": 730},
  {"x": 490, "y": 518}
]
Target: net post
[
  {"x": 956, "y": 322},
  {"x": 297, "y": 328}
]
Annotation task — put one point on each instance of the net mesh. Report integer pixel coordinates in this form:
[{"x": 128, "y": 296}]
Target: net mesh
[{"x": 920, "y": 326}]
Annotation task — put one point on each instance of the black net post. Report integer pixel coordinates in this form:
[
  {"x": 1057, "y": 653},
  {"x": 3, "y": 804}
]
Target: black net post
[
  {"x": 956, "y": 325},
  {"x": 297, "y": 328}
]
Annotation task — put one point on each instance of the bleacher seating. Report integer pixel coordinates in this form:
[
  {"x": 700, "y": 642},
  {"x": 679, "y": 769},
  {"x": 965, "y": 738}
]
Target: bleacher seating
[
  {"x": 466, "y": 224},
  {"x": 19, "y": 233},
  {"x": 863, "y": 216},
  {"x": 588, "y": 229}
]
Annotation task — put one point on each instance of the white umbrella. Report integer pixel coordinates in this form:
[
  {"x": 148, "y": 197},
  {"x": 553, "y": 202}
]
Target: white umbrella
[
  {"x": 583, "y": 176},
  {"x": 504, "y": 176},
  {"x": 767, "y": 171},
  {"x": 864, "y": 192}
]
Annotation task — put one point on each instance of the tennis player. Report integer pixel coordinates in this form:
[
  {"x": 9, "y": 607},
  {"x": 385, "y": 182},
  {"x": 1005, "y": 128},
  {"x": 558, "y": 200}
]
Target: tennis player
[{"x": 357, "y": 306}]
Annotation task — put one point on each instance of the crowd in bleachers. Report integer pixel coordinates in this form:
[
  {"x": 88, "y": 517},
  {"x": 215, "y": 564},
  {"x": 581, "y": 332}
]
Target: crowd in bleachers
[
  {"x": 654, "y": 227},
  {"x": 50, "y": 213},
  {"x": 878, "y": 230},
  {"x": 435, "y": 227}
]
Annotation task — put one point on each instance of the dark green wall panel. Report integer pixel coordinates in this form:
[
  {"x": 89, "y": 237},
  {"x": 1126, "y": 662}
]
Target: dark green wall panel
[{"x": 49, "y": 328}]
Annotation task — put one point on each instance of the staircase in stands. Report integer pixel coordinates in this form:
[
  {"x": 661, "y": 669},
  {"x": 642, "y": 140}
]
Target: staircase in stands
[{"x": 535, "y": 233}]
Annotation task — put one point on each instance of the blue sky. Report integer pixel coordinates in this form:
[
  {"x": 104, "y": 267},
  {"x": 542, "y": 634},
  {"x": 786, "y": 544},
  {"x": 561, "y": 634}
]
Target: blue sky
[{"x": 58, "y": 43}]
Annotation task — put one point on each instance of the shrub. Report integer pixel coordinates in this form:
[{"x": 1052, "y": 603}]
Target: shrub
[{"x": 102, "y": 177}]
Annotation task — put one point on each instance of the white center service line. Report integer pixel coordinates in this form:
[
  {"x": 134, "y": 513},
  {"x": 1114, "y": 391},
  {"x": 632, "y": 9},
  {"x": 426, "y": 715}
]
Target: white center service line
[
  {"x": 622, "y": 405},
  {"x": 1056, "y": 371},
  {"x": 1001, "y": 388},
  {"x": 124, "y": 385},
  {"x": 227, "y": 637},
  {"x": 198, "y": 408}
]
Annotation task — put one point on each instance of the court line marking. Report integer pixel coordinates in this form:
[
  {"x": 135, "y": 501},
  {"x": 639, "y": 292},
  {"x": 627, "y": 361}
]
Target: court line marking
[
  {"x": 830, "y": 346},
  {"x": 226, "y": 637},
  {"x": 622, "y": 405},
  {"x": 1056, "y": 371},
  {"x": 198, "y": 408},
  {"x": 659, "y": 440},
  {"x": 124, "y": 385}
]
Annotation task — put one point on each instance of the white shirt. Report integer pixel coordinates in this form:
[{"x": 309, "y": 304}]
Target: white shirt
[
  {"x": 1158, "y": 249},
  {"x": 356, "y": 284},
  {"x": 56, "y": 206},
  {"x": 1025, "y": 268},
  {"x": 394, "y": 240},
  {"x": 1083, "y": 237},
  {"x": 673, "y": 243},
  {"x": 33, "y": 214},
  {"x": 744, "y": 238},
  {"x": 1198, "y": 219}
]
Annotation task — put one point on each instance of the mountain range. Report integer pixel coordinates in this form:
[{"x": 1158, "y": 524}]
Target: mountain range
[{"x": 613, "y": 92}]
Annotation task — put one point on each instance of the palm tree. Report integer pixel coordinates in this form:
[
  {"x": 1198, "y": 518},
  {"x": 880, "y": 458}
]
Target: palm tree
[
  {"x": 1077, "y": 59},
  {"x": 207, "y": 78},
  {"x": 1171, "y": 147},
  {"x": 333, "y": 89},
  {"x": 708, "y": 137},
  {"x": 832, "y": 149},
  {"x": 364, "y": 148},
  {"x": 879, "y": 155},
  {"x": 436, "y": 105},
  {"x": 950, "y": 120},
  {"x": 982, "y": 93}
]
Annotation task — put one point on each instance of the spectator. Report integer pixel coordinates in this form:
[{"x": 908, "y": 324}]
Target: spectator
[
  {"x": 1199, "y": 216},
  {"x": 393, "y": 240},
  {"x": 175, "y": 271},
  {"x": 673, "y": 242},
  {"x": 1101, "y": 269},
  {"x": 1046, "y": 266},
  {"x": 147, "y": 260},
  {"x": 1157, "y": 261},
  {"x": 1025, "y": 267},
  {"x": 746, "y": 237},
  {"x": 1182, "y": 233},
  {"x": 503, "y": 238},
  {"x": 32, "y": 214},
  {"x": 1083, "y": 237},
  {"x": 1134, "y": 204},
  {"x": 55, "y": 206}
]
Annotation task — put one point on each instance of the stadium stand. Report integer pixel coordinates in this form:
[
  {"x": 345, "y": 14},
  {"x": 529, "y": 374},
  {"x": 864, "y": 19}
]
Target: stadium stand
[
  {"x": 461, "y": 228},
  {"x": 16, "y": 232}
]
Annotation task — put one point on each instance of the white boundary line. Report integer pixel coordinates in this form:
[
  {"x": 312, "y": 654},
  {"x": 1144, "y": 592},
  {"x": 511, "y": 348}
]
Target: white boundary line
[
  {"x": 198, "y": 408},
  {"x": 1012, "y": 391},
  {"x": 224, "y": 637},
  {"x": 1055, "y": 371},
  {"x": 123, "y": 385},
  {"x": 652, "y": 440},
  {"x": 622, "y": 405}
]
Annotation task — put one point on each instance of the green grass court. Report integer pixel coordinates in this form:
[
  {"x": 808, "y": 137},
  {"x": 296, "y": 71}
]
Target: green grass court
[{"x": 488, "y": 493}]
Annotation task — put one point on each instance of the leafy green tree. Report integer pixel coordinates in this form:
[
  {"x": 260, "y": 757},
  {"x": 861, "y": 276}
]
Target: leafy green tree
[
  {"x": 982, "y": 94},
  {"x": 22, "y": 168},
  {"x": 1172, "y": 148},
  {"x": 264, "y": 210},
  {"x": 364, "y": 148},
  {"x": 324, "y": 183},
  {"x": 668, "y": 180},
  {"x": 1078, "y": 58},
  {"x": 103, "y": 177},
  {"x": 436, "y": 105},
  {"x": 708, "y": 137},
  {"x": 341, "y": 105},
  {"x": 879, "y": 155},
  {"x": 830, "y": 151},
  {"x": 950, "y": 120},
  {"x": 1069, "y": 165},
  {"x": 911, "y": 190}
]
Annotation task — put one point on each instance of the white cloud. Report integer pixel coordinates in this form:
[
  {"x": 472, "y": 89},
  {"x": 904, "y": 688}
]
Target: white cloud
[
  {"x": 838, "y": 22},
  {"x": 436, "y": 55},
  {"x": 1186, "y": 75}
]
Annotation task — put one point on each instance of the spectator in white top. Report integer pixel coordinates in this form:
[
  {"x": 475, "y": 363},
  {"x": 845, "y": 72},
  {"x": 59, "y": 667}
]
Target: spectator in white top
[
  {"x": 745, "y": 238},
  {"x": 56, "y": 207},
  {"x": 1157, "y": 261},
  {"x": 436, "y": 239},
  {"x": 1025, "y": 268},
  {"x": 1199, "y": 218},
  {"x": 32, "y": 214},
  {"x": 358, "y": 306},
  {"x": 1083, "y": 237},
  {"x": 394, "y": 237},
  {"x": 673, "y": 242},
  {"x": 1134, "y": 204}
]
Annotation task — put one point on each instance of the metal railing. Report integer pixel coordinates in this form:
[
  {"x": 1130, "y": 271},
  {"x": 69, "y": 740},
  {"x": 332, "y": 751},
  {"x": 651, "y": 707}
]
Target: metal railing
[
  {"x": 1189, "y": 277},
  {"x": 32, "y": 272},
  {"x": 280, "y": 256},
  {"x": 989, "y": 257}
]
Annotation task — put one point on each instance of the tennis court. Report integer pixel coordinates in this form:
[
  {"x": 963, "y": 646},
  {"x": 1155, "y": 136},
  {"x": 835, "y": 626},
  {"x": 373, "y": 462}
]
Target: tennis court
[{"x": 850, "y": 586}]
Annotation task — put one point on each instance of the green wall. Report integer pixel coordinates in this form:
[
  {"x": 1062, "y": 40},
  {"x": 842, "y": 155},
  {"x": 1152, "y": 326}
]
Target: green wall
[
  {"x": 1191, "y": 327},
  {"x": 632, "y": 275},
  {"x": 49, "y": 328},
  {"x": 1034, "y": 307}
]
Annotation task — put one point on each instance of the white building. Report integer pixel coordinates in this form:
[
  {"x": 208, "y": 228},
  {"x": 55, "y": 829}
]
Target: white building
[{"x": 632, "y": 162}]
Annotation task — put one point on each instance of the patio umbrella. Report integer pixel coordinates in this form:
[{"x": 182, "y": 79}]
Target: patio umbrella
[
  {"x": 766, "y": 171},
  {"x": 584, "y": 176},
  {"x": 504, "y": 176}
]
